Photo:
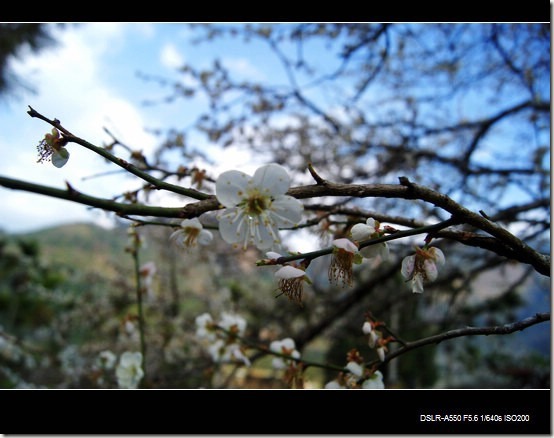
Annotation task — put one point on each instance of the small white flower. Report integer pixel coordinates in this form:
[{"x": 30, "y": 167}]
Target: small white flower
[
  {"x": 355, "y": 368},
  {"x": 374, "y": 382},
  {"x": 285, "y": 346},
  {"x": 190, "y": 233},
  {"x": 256, "y": 206},
  {"x": 291, "y": 282},
  {"x": 345, "y": 253},
  {"x": 367, "y": 328},
  {"x": 422, "y": 266},
  {"x": 129, "y": 370}
]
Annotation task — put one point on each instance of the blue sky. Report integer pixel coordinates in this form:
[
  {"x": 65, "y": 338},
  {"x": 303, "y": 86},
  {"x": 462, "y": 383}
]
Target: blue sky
[{"x": 89, "y": 81}]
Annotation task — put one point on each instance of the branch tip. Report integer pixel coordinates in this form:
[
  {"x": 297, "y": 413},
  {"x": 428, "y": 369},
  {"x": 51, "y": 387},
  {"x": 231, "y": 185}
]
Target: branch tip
[
  {"x": 315, "y": 176},
  {"x": 405, "y": 181}
]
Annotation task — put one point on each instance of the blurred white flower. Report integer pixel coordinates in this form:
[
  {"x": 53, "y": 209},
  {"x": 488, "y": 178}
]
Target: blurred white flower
[
  {"x": 190, "y": 233},
  {"x": 287, "y": 347},
  {"x": 129, "y": 370}
]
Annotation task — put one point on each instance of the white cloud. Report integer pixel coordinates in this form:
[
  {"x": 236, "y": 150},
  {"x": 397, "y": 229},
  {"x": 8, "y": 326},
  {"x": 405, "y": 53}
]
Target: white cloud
[
  {"x": 170, "y": 57},
  {"x": 72, "y": 88},
  {"x": 242, "y": 67}
]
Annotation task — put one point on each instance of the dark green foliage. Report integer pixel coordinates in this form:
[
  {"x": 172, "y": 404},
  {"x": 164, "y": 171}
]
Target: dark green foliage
[{"x": 15, "y": 39}]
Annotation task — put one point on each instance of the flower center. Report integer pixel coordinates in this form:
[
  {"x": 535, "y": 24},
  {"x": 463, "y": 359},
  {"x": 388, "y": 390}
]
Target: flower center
[
  {"x": 191, "y": 235},
  {"x": 256, "y": 204}
]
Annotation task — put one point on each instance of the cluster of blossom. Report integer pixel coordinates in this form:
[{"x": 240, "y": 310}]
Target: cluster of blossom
[
  {"x": 357, "y": 376},
  {"x": 221, "y": 339},
  {"x": 256, "y": 208}
]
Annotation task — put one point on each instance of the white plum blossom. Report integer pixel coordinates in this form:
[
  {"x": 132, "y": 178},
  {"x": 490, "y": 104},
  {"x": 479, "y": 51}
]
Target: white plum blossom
[
  {"x": 421, "y": 267},
  {"x": 374, "y": 382},
  {"x": 129, "y": 370},
  {"x": 370, "y": 230},
  {"x": 291, "y": 282},
  {"x": 345, "y": 253},
  {"x": 284, "y": 346},
  {"x": 190, "y": 233},
  {"x": 256, "y": 207}
]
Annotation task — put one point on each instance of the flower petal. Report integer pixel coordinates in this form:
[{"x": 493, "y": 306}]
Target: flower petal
[
  {"x": 367, "y": 328},
  {"x": 430, "y": 270},
  {"x": 271, "y": 179},
  {"x": 346, "y": 245},
  {"x": 288, "y": 343},
  {"x": 417, "y": 284},
  {"x": 361, "y": 232},
  {"x": 191, "y": 223},
  {"x": 205, "y": 237},
  {"x": 355, "y": 368},
  {"x": 288, "y": 271},
  {"x": 231, "y": 187},
  {"x": 286, "y": 211},
  {"x": 230, "y": 226},
  {"x": 408, "y": 265},
  {"x": 438, "y": 255},
  {"x": 59, "y": 158}
]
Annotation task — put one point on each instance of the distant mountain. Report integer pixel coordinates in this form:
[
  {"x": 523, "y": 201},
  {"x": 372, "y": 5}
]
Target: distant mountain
[{"x": 81, "y": 244}]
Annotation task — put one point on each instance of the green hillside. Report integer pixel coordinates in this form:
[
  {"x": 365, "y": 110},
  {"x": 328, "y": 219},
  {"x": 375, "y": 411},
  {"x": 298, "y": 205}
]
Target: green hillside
[{"x": 82, "y": 245}]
